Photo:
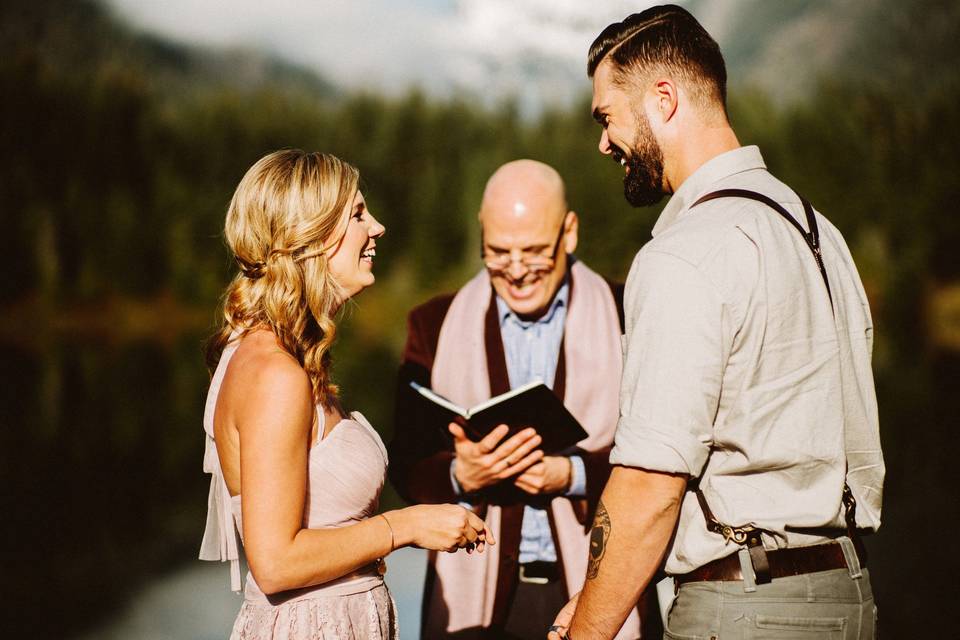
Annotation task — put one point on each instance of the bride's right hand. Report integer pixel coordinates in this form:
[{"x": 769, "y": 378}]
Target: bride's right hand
[{"x": 439, "y": 527}]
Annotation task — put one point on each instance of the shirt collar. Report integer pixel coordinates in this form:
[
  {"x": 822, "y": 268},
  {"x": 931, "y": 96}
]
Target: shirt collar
[
  {"x": 710, "y": 172},
  {"x": 559, "y": 300}
]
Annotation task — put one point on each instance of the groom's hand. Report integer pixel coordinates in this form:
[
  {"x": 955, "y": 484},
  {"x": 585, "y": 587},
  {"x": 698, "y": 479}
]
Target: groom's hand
[{"x": 562, "y": 621}]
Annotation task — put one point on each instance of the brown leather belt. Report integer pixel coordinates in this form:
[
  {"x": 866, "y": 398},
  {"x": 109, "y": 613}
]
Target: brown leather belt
[{"x": 783, "y": 563}]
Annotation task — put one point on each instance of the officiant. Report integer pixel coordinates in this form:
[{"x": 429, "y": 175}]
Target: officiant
[{"x": 534, "y": 312}]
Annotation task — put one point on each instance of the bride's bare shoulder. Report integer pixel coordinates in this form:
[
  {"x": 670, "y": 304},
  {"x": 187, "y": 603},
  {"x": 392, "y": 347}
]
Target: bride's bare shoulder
[{"x": 261, "y": 371}]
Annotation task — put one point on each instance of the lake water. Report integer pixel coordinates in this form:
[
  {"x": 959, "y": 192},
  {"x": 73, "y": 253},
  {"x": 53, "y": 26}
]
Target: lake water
[
  {"x": 195, "y": 603},
  {"x": 104, "y": 498}
]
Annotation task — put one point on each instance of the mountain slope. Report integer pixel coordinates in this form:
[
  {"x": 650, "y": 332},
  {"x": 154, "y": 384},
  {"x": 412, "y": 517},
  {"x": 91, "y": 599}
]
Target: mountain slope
[
  {"x": 787, "y": 47},
  {"x": 79, "y": 39}
]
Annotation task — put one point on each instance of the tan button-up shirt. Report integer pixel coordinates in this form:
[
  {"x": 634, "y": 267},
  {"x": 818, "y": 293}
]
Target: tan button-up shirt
[{"x": 737, "y": 370}]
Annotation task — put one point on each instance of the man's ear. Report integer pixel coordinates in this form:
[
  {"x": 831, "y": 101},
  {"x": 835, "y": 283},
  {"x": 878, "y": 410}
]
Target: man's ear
[
  {"x": 571, "y": 226},
  {"x": 666, "y": 99}
]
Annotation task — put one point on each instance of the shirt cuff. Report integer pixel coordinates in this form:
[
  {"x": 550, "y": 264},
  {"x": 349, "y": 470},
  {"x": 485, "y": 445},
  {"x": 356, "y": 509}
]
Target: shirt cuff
[
  {"x": 578, "y": 478},
  {"x": 674, "y": 451},
  {"x": 457, "y": 489}
]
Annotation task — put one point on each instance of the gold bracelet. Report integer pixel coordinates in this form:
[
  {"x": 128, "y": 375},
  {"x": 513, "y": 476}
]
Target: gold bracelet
[{"x": 389, "y": 526}]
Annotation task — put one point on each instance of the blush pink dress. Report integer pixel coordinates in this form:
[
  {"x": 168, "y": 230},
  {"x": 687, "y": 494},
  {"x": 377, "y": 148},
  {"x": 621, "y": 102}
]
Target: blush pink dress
[{"x": 347, "y": 469}]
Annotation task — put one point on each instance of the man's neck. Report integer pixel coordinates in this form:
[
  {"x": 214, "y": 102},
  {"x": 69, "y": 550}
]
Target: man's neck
[{"x": 696, "y": 149}]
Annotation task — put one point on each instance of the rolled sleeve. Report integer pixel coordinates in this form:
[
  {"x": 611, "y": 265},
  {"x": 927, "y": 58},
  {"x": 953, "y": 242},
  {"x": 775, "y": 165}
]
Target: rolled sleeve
[
  {"x": 677, "y": 335},
  {"x": 667, "y": 450}
]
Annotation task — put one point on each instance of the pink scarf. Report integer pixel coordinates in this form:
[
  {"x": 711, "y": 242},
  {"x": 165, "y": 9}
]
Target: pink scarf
[{"x": 593, "y": 365}]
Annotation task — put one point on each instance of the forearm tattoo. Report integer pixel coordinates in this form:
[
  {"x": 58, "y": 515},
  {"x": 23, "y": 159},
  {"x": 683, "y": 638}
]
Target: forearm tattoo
[{"x": 598, "y": 540}]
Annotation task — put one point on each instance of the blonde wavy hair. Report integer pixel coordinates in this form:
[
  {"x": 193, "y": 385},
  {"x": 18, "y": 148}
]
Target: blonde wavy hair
[{"x": 287, "y": 213}]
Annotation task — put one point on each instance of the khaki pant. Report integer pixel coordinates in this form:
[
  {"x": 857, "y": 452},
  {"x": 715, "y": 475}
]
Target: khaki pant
[{"x": 826, "y": 605}]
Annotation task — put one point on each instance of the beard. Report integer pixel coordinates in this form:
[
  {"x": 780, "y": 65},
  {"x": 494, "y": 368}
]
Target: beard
[{"x": 643, "y": 184}]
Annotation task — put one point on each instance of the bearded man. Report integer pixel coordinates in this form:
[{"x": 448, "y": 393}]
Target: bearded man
[{"x": 747, "y": 451}]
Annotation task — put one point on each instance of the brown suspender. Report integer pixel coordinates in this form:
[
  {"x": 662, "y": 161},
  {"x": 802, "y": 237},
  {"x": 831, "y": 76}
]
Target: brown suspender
[{"x": 748, "y": 534}]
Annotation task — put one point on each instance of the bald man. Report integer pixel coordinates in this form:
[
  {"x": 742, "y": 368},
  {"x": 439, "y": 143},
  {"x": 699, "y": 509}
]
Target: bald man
[{"x": 533, "y": 313}]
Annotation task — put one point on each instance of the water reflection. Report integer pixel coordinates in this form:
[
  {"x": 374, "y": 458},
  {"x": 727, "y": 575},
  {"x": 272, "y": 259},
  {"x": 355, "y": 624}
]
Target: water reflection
[
  {"x": 106, "y": 499},
  {"x": 101, "y": 449},
  {"x": 195, "y": 603}
]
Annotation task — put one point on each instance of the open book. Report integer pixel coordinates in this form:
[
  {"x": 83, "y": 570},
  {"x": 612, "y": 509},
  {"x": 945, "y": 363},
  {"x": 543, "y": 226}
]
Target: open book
[{"x": 532, "y": 405}]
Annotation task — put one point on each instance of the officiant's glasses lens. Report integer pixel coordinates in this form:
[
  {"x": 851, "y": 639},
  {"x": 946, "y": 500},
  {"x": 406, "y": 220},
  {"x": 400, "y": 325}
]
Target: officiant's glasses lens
[{"x": 536, "y": 262}]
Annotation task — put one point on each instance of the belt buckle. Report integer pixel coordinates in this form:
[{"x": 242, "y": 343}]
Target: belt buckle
[{"x": 531, "y": 579}]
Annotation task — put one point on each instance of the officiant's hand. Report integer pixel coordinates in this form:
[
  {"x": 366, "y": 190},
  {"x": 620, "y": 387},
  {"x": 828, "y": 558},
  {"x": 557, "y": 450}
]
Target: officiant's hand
[
  {"x": 487, "y": 462},
  {"x": 552, "y": 475}
]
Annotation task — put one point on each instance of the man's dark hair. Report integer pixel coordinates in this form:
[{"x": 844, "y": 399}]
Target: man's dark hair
[{"x": 667, "y": 37}]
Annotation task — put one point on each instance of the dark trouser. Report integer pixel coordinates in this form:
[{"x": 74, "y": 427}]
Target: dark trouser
[
  {"x": 825, "y": 605},
  {"x": 533, "y": 610}
]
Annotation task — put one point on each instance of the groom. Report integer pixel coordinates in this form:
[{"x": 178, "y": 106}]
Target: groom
[{"x": 747, "y": 451}]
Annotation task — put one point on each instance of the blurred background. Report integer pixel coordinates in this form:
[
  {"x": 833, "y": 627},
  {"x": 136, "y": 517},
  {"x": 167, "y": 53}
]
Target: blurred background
[{"x": 126, "y": 126}]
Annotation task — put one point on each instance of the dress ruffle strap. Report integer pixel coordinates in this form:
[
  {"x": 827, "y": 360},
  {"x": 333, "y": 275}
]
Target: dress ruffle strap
[{"x": 220, "y": 536}]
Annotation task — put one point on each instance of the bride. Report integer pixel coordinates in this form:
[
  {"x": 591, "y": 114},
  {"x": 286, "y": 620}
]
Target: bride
[{"x": 298, "y": 476}]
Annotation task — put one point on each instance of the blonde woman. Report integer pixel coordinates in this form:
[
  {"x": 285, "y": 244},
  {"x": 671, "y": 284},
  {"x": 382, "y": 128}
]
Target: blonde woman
[{"x": 308, "y": 473}]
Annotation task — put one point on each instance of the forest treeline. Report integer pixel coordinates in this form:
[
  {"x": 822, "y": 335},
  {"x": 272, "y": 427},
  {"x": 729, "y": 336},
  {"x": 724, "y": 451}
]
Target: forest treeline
[{"x": 121, "y": 153}]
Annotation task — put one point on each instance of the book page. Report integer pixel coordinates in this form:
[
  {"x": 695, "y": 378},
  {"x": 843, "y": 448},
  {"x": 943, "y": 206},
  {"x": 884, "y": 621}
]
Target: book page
[
  {"x": 440, "y": 400},
  {"x": 506, "y": 396}
]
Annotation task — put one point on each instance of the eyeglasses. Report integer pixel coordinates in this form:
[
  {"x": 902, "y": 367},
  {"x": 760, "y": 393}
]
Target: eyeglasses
[{"x": 533, "y": 262}]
